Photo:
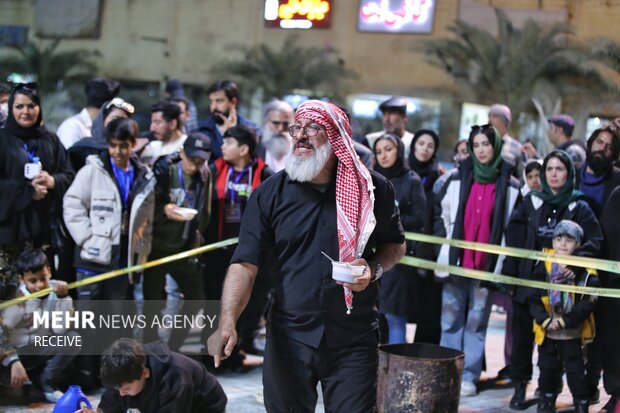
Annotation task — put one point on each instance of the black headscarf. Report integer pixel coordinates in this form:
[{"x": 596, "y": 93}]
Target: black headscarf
[
  {"x": 427, "y": 170},
  {"x": 31, "y": 90},
  {"x": 399, "y": 168}
]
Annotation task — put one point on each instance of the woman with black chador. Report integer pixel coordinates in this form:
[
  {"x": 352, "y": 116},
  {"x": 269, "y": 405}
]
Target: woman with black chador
[
  {"x": 394, "y": 300},
  {"x": 425, "y": 292},
  {"x": 34, "y": 175}
]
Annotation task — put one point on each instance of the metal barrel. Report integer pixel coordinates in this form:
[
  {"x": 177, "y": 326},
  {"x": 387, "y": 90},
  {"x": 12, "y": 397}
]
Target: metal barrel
[{"x": 419, "y": 377}]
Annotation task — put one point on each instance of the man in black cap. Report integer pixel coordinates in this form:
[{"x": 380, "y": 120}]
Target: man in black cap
[
  {"x": 182, "y": 210},
  {"x": 98, "y": 91},
  {"x": 394, "y": 112}
]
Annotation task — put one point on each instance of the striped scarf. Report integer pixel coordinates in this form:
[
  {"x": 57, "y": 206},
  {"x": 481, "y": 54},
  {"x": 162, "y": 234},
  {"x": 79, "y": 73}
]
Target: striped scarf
[{"x": 354, "y": 188}]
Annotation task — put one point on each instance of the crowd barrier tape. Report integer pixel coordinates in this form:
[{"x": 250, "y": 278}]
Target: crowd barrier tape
[
  {"x": 572, "y": 260},
  {"x": 504, "y": 279},
  {"x": 123, "y": 271}
]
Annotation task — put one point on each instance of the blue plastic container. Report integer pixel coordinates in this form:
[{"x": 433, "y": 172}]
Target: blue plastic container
[{"x": 73, "y": 399}]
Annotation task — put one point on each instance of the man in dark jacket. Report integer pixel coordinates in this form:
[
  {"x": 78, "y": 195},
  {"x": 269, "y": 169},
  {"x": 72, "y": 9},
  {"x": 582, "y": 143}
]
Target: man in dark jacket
[
  {"x": 151, "y": 378},
  {"x": 597, "y": 179},
  {"x": 224, "y": 97}
]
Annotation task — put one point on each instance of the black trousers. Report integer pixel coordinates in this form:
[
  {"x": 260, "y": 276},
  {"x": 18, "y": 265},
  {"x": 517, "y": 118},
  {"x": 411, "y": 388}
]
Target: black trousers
[
  {"x": 522, "y": 342},
  {"x": 185, "y": 272},
  {"x": 609, "y": 338},
  {"x": 292, "y": 370},
  {"x": 557, "y": 356}
]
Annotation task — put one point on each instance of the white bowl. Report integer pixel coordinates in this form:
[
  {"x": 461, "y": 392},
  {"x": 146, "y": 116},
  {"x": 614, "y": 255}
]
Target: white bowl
[
  {"x": 187, "y": 213},
  {"x": 345, "y": 272}
]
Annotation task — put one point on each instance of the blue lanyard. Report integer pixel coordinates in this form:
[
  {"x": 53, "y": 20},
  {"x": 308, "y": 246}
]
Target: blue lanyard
[
  {"x": 30, "y": 154},
  {"x": 236, "y": 181},
  {"x": 124, "y": 180},
  {"x": 188, "y": 198}
]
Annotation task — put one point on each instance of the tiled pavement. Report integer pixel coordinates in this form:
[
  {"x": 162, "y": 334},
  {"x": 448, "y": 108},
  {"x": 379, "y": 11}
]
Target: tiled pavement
[{"x": 245, "y": 390}]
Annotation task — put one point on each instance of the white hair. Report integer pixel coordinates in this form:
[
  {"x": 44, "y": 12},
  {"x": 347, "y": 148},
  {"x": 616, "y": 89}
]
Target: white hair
[{"x": 306, "y": 169}]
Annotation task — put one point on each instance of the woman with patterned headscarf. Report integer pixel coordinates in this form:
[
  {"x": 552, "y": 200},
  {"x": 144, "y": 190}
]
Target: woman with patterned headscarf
[
  {"x": 474, "y": 205},
  {"x": 531, "y": 227},
  {"x": 319, "y": 330}
]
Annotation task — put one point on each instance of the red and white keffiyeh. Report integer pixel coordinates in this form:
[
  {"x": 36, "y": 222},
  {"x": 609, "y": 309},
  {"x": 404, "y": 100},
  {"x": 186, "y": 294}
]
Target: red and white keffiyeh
[{"x": 354, "y": 188}]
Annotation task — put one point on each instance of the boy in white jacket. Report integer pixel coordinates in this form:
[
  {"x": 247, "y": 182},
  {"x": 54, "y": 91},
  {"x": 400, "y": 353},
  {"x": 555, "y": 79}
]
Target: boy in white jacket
[{"x": 35, "y": 275}]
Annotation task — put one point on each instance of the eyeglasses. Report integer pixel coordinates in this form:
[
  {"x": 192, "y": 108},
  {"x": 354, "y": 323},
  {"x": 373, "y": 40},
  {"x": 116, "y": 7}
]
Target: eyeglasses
[
  {"x": 310, "y": 130},
  {"x": 121, "y": 104},
  {"x": 277, "y": 124}
]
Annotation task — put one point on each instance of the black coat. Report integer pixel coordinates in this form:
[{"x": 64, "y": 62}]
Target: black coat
[
  {"x": 522, "y": 232},
  {"x": 23, "y": 219},
  {"x": 611, "y": 183},
  {"x": 611, "y": 229},
  {"x": 177, "y": 384},
  {"x": 409, "y": 195}
]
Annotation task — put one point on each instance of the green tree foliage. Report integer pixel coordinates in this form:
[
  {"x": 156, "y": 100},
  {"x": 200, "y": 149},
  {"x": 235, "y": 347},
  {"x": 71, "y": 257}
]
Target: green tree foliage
[
  {"x": 52, "y": 68},
  {"x": 518, "y": 64},
  {"x": 316, "y": 71}
]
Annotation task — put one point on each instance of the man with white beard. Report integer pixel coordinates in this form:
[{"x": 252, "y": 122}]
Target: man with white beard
[
  {"x": 319, "y": 330},
  {"x": 275, "y": 140}
]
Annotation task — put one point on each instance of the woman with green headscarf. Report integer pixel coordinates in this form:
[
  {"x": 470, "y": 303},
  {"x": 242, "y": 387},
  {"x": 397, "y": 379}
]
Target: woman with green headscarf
[
  {"x": 531, "y": 227},
  {"x": 475, "y": 205}
]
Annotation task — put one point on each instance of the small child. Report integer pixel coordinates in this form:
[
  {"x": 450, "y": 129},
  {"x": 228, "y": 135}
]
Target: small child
[
  {"x": 35, "y": 275},
  {"x": 151, "y": 378},
  {"x": 563, "y": 322}
]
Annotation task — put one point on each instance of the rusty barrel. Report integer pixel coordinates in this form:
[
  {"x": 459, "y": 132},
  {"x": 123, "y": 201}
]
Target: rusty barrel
[{"x": 419, "y": 377}]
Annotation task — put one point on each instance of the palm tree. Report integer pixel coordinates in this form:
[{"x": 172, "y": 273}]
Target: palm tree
[
  {"x": 518, "y": 65},
  {"x": 261, "y": 69},
  {"x": 50, "y": 67}
]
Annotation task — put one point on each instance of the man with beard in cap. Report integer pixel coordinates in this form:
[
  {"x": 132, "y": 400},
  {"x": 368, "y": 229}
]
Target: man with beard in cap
[
  {"x": 275, "y": 141},
  {"x": 394, "y": 111},
  {"x": 98, "y": 91},
  {"x": 324, "y": 201}
]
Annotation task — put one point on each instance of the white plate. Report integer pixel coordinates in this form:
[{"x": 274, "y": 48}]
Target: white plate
[{"x": 187, "y": 213}]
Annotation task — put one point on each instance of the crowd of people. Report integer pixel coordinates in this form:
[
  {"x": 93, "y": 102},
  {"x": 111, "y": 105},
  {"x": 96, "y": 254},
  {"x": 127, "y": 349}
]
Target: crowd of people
[{"x": 99, "y": 196}]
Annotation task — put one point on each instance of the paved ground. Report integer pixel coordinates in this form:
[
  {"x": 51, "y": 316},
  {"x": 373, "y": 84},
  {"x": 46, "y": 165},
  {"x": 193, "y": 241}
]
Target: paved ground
[{"x": 245, "y": 390}]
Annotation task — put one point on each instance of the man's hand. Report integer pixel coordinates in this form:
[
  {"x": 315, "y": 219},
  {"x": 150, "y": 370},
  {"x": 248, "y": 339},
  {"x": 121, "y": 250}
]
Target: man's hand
[
  {"x": 528, "y": 149},
  {"x": 18, "y": 374},
  {"x": 40, "y": 191},
  {"x": 45, "y": 179},
  {"x": 222, "y": 342},
  {"x": 172, "y": 213},
  {"x": 60, "y": 288},
  {"x": 229, "y": 121},
  {"x": 362, "y": 281}
]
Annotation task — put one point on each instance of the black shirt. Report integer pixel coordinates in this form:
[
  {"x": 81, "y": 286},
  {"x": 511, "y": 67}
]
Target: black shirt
[{"x": 293, "y": 222}]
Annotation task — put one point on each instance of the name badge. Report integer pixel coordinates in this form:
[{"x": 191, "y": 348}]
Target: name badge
[
  {"x": 232, "y": 214},
  {"x": 32, "y": 169}
]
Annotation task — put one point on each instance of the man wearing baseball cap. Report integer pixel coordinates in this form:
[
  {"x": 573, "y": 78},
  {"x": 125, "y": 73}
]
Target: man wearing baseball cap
[{"x": 182, "y": 201}]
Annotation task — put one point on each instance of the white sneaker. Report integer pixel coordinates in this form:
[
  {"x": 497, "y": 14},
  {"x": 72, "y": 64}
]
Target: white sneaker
[{"x": 468, "y": 388}]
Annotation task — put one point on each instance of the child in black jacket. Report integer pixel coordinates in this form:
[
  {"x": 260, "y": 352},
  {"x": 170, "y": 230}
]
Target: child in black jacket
[{"x": 563, "y": 321}]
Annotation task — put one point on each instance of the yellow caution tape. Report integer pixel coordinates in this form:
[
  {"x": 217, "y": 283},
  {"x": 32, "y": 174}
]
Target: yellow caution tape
[
  {"x": 116, "y": 273},
  {"x": 599, "y": 264},
  {"x": 504, "y": 279}
]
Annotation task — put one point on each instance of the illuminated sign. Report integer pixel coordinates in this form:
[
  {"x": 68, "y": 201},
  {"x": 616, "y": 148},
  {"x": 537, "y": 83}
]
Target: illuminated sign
[
  {"x": 298, "y": 14},
  {"x": 396, "y": 16}
]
